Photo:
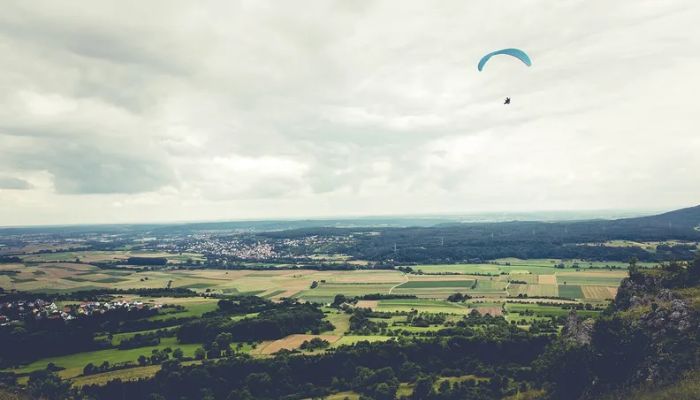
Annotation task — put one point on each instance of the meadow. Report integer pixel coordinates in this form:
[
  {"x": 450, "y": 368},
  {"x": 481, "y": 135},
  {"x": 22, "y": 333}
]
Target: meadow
[{"x": 73, "y": 364}]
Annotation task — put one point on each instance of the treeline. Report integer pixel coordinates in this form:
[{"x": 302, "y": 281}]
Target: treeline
[
  {"x": 97, "y": 294},
  {"x": 527, "y": 240},
  {"x": 286, "y": 319},
  {"x": 147, "y": 260},
  {"x": 10, "y": 259},
  {"x": 374, "y": 370}
]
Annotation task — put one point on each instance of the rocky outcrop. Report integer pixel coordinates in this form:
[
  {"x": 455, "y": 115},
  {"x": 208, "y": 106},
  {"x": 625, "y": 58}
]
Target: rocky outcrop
[{"x": 577, "y": 330}]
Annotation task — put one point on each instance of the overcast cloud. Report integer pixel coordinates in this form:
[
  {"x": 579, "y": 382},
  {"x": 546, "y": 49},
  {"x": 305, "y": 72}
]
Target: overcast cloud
[{"x": 159, "y": 111}]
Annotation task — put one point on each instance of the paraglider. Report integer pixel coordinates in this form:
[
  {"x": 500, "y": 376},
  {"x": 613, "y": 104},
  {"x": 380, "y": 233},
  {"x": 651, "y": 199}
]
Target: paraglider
[{"x": 517, "y": 53}]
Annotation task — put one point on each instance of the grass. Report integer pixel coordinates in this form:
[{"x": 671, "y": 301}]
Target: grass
[
  {"x": 343, "y": 396},
  {"x": 74, "y": 363},
  {"x": 437, "y": 284},
  {"x": 570, "y": 291},
  {"x": 130, "y": 374},
  {"x": 422, "y": 305},
  {"x": 352, "y": 339},
  {"x": 547, "y": 311},
  {"x": 192, "y": 309},
  {"x": 341, "y": 321},
  {"x": 119, "y": 337}
]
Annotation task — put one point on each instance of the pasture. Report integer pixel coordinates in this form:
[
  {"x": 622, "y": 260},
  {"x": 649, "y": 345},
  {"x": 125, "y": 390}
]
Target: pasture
[
  {"x": 422, "y": 305},
  {"x": 74, "y": 363}
]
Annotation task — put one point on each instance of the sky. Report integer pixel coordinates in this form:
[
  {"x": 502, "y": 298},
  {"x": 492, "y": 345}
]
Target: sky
[{"x": 133, "y": 111}]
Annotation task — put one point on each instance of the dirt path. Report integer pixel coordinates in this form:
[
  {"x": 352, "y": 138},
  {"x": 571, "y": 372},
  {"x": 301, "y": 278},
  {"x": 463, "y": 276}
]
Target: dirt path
[{"x": 405, "y": 279}]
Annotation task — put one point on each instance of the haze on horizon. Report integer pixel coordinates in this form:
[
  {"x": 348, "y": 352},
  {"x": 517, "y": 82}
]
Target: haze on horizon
[{"x": 117, "y": 112}]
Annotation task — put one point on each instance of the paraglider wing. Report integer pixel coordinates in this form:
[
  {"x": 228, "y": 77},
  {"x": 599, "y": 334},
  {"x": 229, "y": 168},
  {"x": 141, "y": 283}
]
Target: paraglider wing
[{"x": 517, "y": 53}]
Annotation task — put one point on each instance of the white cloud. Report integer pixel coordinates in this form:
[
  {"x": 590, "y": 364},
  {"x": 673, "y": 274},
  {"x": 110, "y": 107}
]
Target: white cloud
[{"x": 170, "y": 110}]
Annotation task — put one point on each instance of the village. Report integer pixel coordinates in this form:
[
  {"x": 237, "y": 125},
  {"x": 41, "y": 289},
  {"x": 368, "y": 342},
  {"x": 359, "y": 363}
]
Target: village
[{"x": 39, "y": 309}]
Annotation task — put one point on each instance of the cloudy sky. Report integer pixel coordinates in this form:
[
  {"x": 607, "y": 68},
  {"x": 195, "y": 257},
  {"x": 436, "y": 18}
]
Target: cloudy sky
[{"x": 161, "y": 111}]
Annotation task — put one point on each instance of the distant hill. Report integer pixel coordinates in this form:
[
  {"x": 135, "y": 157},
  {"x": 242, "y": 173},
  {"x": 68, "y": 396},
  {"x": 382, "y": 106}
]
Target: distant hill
[
  {"x": 456, "y": 242},
  {"x": 684, "y": 218}
]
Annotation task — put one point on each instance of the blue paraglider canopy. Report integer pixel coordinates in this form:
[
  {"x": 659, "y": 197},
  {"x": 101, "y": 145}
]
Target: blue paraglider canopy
[{"x": 517, "y": 53}]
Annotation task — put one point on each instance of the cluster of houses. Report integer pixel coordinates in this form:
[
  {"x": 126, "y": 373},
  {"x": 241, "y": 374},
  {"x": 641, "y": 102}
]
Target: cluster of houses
[
  {"x": 234, "y": 248},
  {"x": 226, "y": 246},
  {"x": 40, "y": 309}
]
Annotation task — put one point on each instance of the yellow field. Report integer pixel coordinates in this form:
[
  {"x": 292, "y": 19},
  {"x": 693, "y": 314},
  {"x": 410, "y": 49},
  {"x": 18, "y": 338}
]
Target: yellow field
[
  {"x": 367, "y": 304},
  {"x": 130, "y": 374},
  {"x": 290, "y": 342},
  {"x": 542, "y": 290},
  {"x": 597, "y": 292}
]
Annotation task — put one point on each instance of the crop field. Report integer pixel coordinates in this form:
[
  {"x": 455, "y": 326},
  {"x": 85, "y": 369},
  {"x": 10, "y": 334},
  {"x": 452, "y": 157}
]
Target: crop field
[
  {"x": 571, "y": 291},
  {"x": 372, "y": 304},
  {"x": 599, "y": 292},
  {"x": 515, "y": 266},
  {"x": 290, "y": 342},
  {"x": 542, "y": 290},
  {"x": 510, "y": 277},
  {"x": 422, "y": 305},
  {"x": 130, "y": 374},
  {"x": 591, "y": 278},
  {"x": 106, "y": 256},
  {"x": 415, "y": 284}
]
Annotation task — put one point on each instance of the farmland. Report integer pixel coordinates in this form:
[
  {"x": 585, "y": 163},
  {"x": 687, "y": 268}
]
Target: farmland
[
  {"x": 534, "y": 278},
  {"x": 401, "y": 301}
]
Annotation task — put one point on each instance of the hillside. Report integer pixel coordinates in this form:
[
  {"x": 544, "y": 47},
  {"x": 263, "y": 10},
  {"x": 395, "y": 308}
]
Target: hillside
[
  {"x": 521, "y": 239},
  {"x": 646, "y": 346}
]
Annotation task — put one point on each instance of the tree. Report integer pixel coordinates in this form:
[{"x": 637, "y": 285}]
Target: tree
[
  {"x": 240, "y": 395},
  {"x": 178, "y": 354},
  {"x": 384, "y": 391},
  {"x": 142, "y": 360},
  {"x": 566, "y": 367},
  {"x": 199, "y": 354},
  {"x": 338, "y": 300},
  {"x": 214, "y": 351},
  {"x": 47, "y": 385},
  {"x": 259, "y": 383},
  {"x": 633, "y": 268},
  {"x": 409, "y": 371},
  {"x": 224, "y": 340},
  {"x": 694, "y": 270},
  {"x": 89, "y": 369},
  {"x": 423, "y": 389}
]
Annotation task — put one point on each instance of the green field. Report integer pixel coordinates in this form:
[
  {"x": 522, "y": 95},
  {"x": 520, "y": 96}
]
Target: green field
[
  {"x": 436, "y": 284},
  {"x": 422, "y": 305},
  {"x": 353, "y": 339},
  {"x": 570, "y": 291},
  {"x": 75, "y": 363},
  {"x": 549, "y": 311},
  {"x": 193, "y": 309}
]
